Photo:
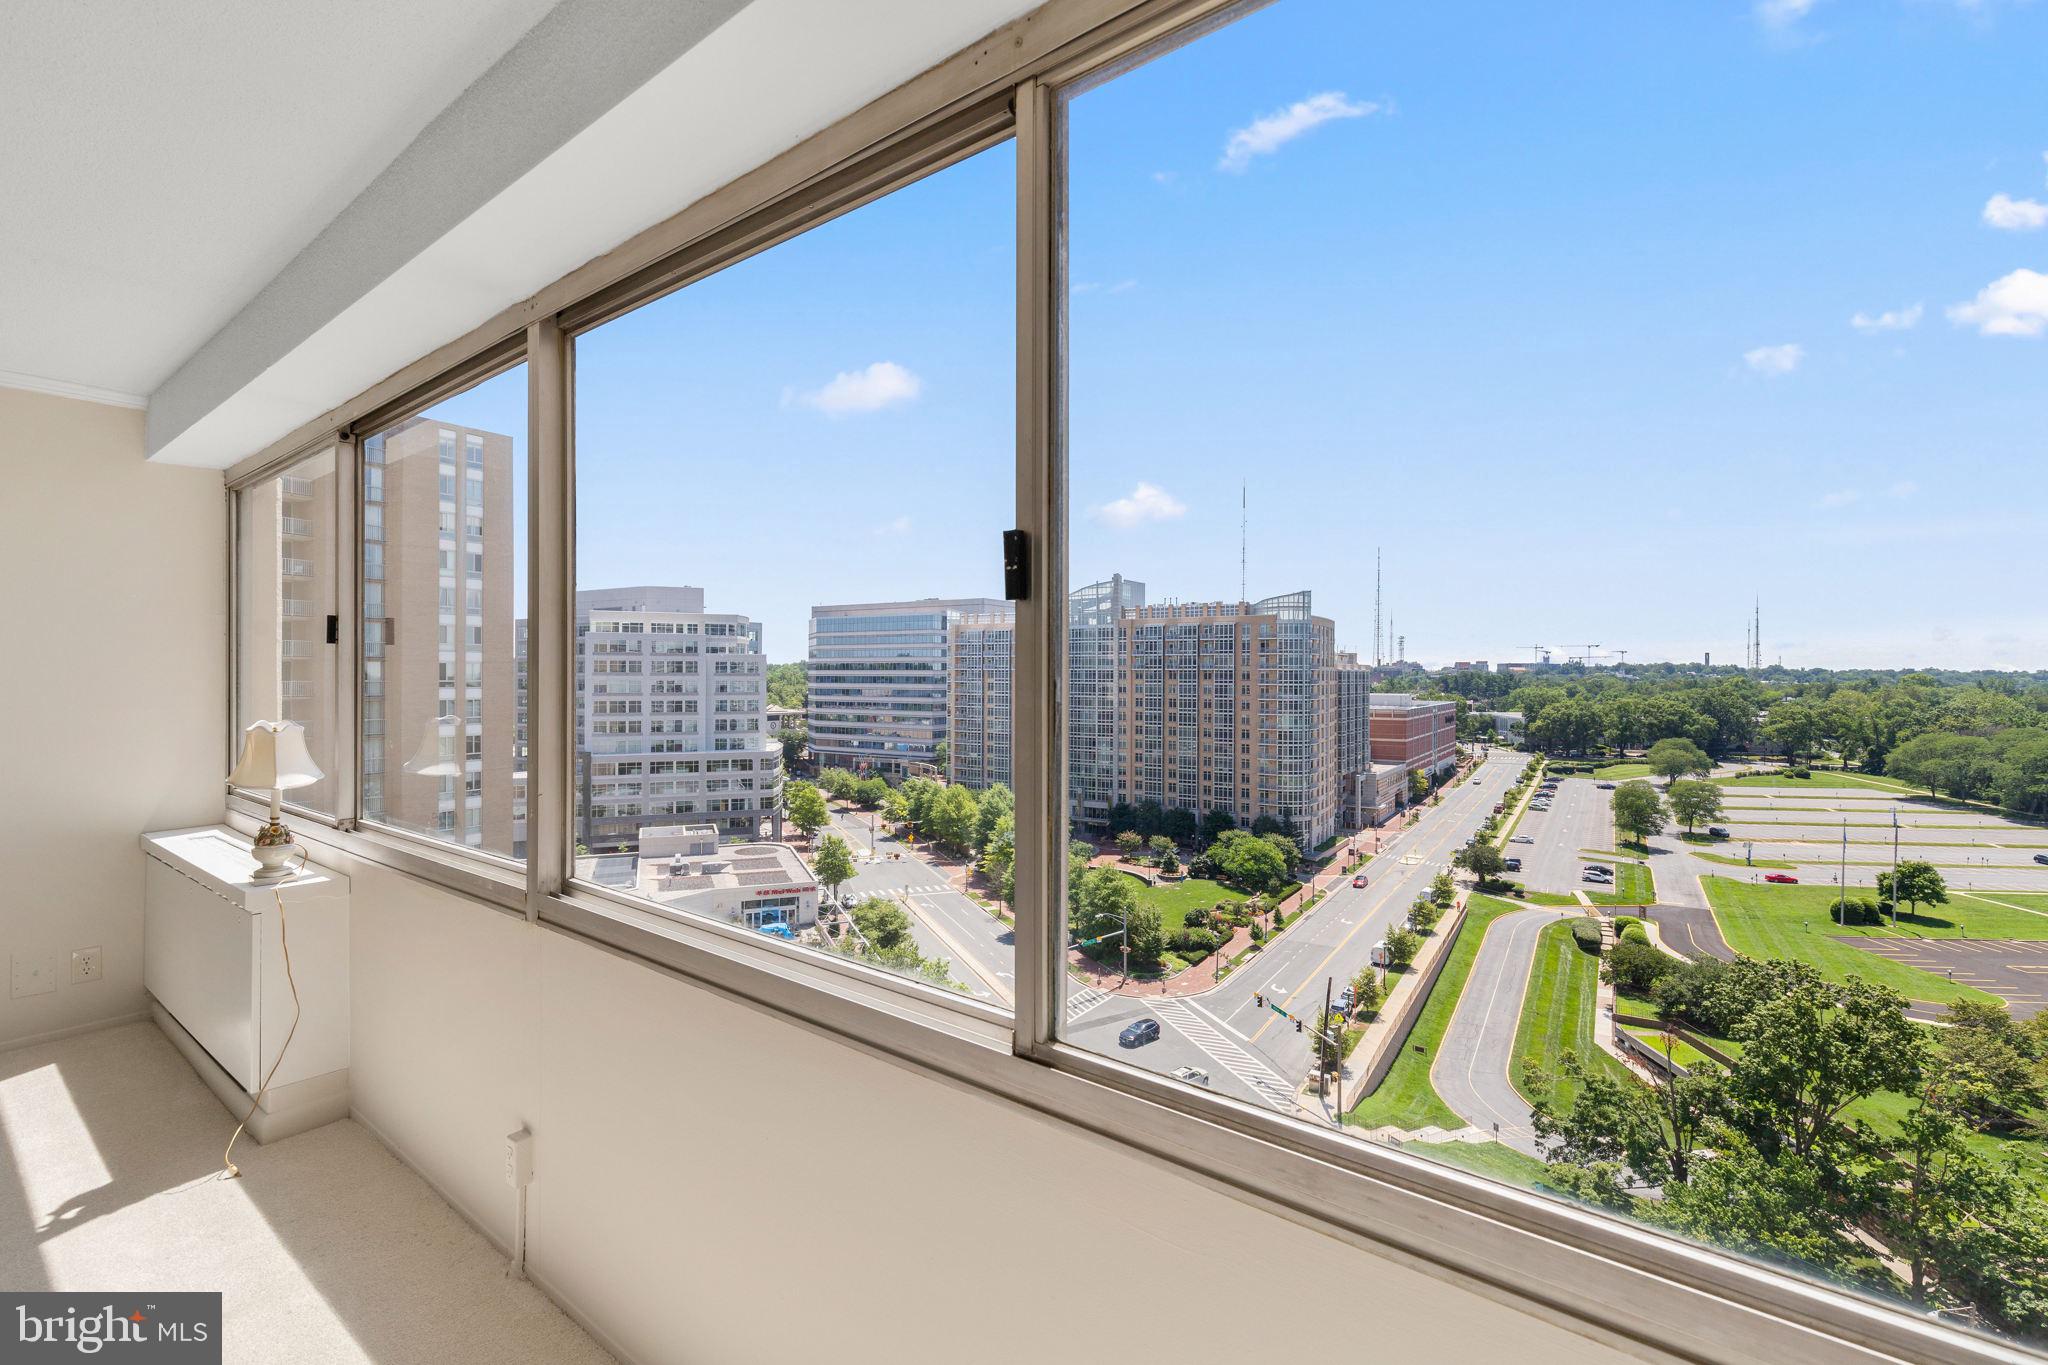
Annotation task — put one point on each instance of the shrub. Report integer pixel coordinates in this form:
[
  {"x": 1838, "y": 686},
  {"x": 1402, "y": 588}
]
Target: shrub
[
  {"x": 1636, "y": 968},
  {"x": 1200, "y": 941},
  {"x": 1197, "y": 917},
  {"x": 1586, "y": 931},
  {"x": 1862, "y": 910},
  {"x": 1635, "y": 933},
  {"x": 1258, "y": 932}
]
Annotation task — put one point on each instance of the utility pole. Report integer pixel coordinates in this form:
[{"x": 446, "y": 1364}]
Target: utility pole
[
  {"x": 1329, "y": 1059},
  {"x": 1842, "y": 879},
  {"x": 1895, "y": 866},
  {"x": 1125, "y": 944},
  {"x": 1243, "y": 535}
]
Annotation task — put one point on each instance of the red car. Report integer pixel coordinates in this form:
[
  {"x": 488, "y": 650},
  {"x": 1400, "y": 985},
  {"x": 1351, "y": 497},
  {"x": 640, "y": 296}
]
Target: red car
[
  {"x": 1784, "y": 877},
  {"x": 1359, "y": 880}
]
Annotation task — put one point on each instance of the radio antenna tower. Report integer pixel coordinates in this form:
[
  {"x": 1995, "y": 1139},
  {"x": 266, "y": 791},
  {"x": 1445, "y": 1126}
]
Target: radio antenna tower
[
  {"x": 1378, "y": 656},
  {"x": 1243, "y": 535},
  {"x": 1756, "y": 634}
]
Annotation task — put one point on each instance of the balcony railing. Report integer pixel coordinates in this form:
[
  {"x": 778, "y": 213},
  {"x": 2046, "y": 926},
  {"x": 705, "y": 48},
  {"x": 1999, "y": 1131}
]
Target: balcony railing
[
  {"x": 296, "y": 568},
  {"x": 295, "y": 487},
  {"x": 294, "y": 526}
]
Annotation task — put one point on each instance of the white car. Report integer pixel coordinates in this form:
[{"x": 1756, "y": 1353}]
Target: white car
[
  {"x": 1193, "y": 1075},
  {"x": 1523, "y": 839}
]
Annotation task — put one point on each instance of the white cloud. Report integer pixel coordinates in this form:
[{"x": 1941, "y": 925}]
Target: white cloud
[
  {"x": 2015, "y": 215},
  {"x": 881, "y": 385},
  {"x": 1781, "y": 13},
  {"x": 899, "y": 527},
  {"x": 1840, "y": 498},
  {"x": 2013, "y": 306},
  {"x": 1263, "y": 136},
  {"x": 1891, "y": 320},
  {"x": 1146, "y": 502},
  {"x": 1775, "y": 360}
]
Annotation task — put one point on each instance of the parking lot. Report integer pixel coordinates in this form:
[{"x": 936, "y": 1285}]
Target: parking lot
[
  {"x": 2016, "y": 971},
  {"x": 1975, "y": 850},
  {"x": 1580, "y": 817}
]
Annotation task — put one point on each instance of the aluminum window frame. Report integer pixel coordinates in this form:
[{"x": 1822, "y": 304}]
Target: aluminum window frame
[{"x": 1624, "y": 1284}]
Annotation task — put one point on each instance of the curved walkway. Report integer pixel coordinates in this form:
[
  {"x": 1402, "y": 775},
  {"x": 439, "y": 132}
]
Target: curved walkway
[{"x": 1471, "y": 1069}]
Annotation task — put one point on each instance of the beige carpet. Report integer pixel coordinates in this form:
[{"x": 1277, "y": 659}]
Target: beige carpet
[{"x": 326, "y": 1250}]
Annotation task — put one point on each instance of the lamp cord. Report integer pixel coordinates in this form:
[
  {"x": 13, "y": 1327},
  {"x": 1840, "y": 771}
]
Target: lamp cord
[{"x": 227, "y": 1157}]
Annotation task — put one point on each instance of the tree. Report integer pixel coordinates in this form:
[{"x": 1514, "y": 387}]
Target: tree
[
  {"x": 996, "y": 803},
  {"x": 839, "y": 783},
  {"x": 942, "y": 756},
  {"x": 1147, "y": 934},
  {"x": 1637, "y": 811},
  {"x": 999, "y": 857},
  {"x": 1672, "y": 759},
  {"x": 1482, "y": 859},
  {"x": 1418, "y": 787},
  {"x": 789, "y": 685},
  {"x": 1573, "y": 726},
  {"x": 1285, "y": 846},
  {"x": 870, "y": 792},
  {"x": 1181, "y": 826},
  {"x": 1795, "y": 727},
  {"x": 1245, "y": 860},
  {"x": 1160, "y": 845},
  {"x": 832, "y": 864},
  {"x": 1366, "y": 993},
  {"x": 1918, "y": 884},
  {"x": 1106, "y": 897},
  {"x": 1652, "y": 1130},
  {"x": 1443, "y": 890},
  {"x": 1129, "y": 843},
  {"x": 792, "y": 738},
  {"x": 1216, "y": 824},
  {"x": 1402, "y": 946},
  {"x": 805, "y": 806},
  {"x": 952, "y": 816},
  {"x": 1636, "y": 968},
  {"x": 1423, "y": 915},
  {"x": 1990, "y": 1072},
  {"x": 1693, "y": 803},
  {"x": 1961, "y": 765}
]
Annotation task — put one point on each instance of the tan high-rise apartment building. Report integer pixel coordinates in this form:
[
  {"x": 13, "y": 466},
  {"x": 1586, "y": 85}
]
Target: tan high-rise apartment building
[{"x": 438, "y": 652}]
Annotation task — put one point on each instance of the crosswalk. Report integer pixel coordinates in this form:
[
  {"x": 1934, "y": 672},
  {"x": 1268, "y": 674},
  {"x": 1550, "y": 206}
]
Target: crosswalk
[
  {"x": 1266, "y": 1082},
  {"x": 1079, "y": 1002}
]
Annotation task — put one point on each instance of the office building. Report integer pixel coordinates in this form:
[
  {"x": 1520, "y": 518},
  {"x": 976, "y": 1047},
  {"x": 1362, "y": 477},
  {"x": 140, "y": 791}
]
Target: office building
[
  {"x": 878, "y": 680},
  {"x": 1357, "y": 800},
  {"x": 671, "y": 719},
  {"x": 1420, "y": 735}
]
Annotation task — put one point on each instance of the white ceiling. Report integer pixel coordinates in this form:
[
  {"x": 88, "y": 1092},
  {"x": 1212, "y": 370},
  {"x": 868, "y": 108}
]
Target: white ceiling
[
  {"x": 162, "y": 161},
  {"x": 273, "y": 209}
]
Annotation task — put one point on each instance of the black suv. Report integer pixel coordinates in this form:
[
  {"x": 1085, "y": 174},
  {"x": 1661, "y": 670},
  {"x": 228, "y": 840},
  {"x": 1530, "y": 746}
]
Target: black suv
[{"x": 1139, "y": 1033}]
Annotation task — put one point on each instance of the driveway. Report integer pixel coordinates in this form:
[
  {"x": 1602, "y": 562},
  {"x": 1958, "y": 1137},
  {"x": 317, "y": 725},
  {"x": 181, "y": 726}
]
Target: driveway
[{"x": 1471, "y": 1067}]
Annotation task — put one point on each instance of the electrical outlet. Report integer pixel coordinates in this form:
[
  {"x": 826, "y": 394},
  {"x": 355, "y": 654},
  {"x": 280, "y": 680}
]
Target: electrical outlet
[
  {"x": 34, "y": 974},
  {"x": 85, "y": 965}
]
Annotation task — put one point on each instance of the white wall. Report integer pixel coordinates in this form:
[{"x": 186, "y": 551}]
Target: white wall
[
  {"x": 113, "y": 626},
  {"x": 713, "y": 1185}
]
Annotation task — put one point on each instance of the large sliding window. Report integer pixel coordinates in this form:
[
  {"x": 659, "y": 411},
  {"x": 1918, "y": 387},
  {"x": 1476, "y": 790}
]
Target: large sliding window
[
  {"x": 1362, "y": 351},
  {"x": 791, "y": 480},
  {"x": 286, "y": 532},
  {"x": 444, "y": 604},
  {"x": 1391, "y": 351}
]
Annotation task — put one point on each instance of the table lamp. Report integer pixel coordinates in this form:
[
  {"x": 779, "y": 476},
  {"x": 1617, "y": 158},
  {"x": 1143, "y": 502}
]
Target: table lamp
[
  {"x": 274, "y": 757},
  {"x": 440, "y": 752}
]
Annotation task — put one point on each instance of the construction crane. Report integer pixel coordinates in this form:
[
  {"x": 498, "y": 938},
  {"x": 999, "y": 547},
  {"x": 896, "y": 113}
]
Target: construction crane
[
  {"x": 1587, "y": 658},
  {"x": 1622, "y": 656},
  {"x": 1535, "y": 654}
]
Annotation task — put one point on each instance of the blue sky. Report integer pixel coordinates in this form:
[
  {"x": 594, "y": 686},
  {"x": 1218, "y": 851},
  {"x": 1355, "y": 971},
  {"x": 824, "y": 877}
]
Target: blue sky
[{"x": 1559, "y": 307}]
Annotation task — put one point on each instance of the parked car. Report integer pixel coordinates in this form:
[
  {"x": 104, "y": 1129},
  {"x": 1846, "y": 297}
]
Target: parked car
[
  {"x": 1717, "y": 832},
  {"x": 1512, "y": 864},
  {"x": 1783, "y": 878},
  {"x": 1139, "y": 1032},
  {"x": 1605, "y": 786},
  {"x": 1193, "y": 1075},
  {"x": 2041, "y": 857},
  {"x": 1359, "y": 880}
]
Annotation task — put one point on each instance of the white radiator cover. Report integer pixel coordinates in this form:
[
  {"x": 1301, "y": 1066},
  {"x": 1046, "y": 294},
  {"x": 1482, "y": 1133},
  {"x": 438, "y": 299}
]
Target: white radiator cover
[{"x": 213, "y": 962}]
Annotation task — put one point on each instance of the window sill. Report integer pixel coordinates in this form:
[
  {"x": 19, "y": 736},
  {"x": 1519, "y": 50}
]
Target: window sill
[{"x": 1613, "y": 1281}]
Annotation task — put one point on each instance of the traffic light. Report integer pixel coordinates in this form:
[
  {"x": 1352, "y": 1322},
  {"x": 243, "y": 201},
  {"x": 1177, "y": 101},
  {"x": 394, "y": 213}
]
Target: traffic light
[
  {"x": 1258, "y": 1000},
  {"x": 1297, "y": 1026}
]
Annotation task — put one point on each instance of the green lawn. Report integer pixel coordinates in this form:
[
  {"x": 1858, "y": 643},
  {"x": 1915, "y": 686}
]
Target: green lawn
[
  {"x": 1558, "y": 1015},
  {"x": 1795, "y": 922},
  {"x": 1175, "y": 899},
  {"x": 1621, "y": 772},
  {"x": 1819, "y": 779},
  {"x": 1490, "y": 1159},
  {"x": 1405, "y": 1098},
  {"x": 1608, "y": 853},
  {"x": 1681, "y": 1052},
  {"x": 1633, "y": 885},
  {"x": 1772, "y": 863}
]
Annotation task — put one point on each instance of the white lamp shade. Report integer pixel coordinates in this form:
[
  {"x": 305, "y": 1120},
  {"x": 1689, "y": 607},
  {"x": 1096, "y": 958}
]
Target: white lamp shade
[
  {"x": 440, "y": 751},
  {"x": 274, "y": 758}
]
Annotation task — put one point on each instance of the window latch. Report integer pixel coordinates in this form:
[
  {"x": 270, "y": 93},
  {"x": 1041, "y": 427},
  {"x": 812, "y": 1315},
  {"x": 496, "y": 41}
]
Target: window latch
[
  {"x": 1016, "y": 566},
  {"x": 333, "y": 629}
]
